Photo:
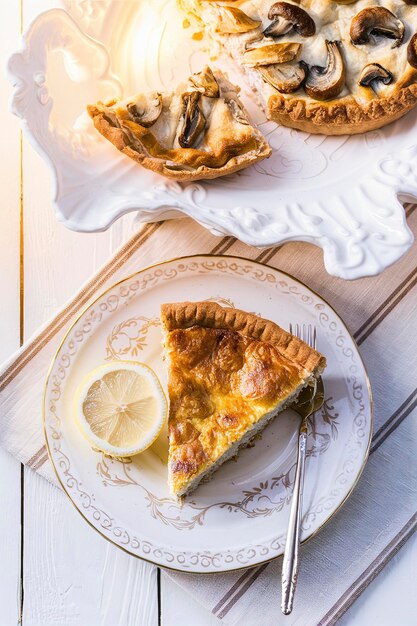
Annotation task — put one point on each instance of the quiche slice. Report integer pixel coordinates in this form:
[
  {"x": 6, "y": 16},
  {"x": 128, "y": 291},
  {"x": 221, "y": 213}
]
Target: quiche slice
[
  {"x": 200, "y": 131},
  {"x": 229, "y": 374},
  {"x": 322, "y": 66}
]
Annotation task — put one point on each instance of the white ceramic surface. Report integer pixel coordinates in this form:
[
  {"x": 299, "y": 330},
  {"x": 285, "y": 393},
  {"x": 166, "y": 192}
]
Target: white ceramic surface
[
  {"x": 240, "y": 517},
  {"x": 340, "y": 193}
]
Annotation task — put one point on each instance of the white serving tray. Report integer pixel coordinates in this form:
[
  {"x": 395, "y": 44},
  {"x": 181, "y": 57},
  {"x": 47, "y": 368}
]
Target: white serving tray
[{"x": 340, "y": 193}]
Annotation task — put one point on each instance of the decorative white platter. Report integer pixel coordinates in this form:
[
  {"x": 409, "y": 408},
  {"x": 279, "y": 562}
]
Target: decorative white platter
[
  {"x": 340, "y": 193},
  {"x": 240, "y": 517}
]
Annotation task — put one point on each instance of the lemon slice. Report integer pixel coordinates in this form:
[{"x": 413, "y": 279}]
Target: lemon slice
[{"x": 121, "y": 408}]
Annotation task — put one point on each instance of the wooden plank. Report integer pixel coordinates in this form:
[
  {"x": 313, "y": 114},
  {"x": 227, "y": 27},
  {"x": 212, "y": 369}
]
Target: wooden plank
[
  {"x": 71, "y": 574},
  {"x": 10, "y": 469},
  {"x": 74, "y": 576}
]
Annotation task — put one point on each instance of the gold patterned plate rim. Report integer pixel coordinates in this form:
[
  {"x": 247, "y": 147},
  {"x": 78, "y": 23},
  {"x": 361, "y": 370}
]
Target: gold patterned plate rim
[{"x": 234, "y": 565}]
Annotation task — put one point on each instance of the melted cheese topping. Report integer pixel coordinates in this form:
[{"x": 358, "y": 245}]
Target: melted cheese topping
[
  {"x": 332, "y": 22},
  {"x": 222, "y": 138},
  {"x": 221, "y": 383}
]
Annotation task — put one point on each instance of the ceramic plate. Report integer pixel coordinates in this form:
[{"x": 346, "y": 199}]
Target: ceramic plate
[
  {"x": 239, "y": 518},
  {"x": 340, "y": 193}
]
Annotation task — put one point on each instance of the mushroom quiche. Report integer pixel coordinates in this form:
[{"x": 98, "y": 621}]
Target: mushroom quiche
[
  {"x": 230, "y": 373},
  {"x": 322, "y": 66},
  {"x": 201, "y": 131}
]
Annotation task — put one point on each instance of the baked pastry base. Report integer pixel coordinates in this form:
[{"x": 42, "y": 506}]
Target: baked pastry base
[
  {"x": 230, "y": 373},
  {"x": 226, "y": 144},
  {"x": 341, "y": 117}
]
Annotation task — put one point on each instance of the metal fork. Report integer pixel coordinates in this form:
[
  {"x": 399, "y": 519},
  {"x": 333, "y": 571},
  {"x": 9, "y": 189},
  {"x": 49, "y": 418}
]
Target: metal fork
[{"x": 309, "y": 401}]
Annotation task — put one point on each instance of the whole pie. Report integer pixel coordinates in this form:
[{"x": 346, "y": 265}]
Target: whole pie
[
  {"x": 200, "y": 131},
  {"x": 229, "y": 374},
  {"x": 322, "y": 66}
]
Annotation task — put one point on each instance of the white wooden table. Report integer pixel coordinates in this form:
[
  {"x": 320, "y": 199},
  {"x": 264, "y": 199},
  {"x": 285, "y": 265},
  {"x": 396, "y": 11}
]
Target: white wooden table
[{"x": 54, "y": 569}]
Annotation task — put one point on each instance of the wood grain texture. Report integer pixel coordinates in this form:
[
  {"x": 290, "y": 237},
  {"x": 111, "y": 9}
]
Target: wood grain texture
[
  {"x": 10, "y": 468},
  {"x": 74, "y": 576},
  {"x": 71, "y": 574}
]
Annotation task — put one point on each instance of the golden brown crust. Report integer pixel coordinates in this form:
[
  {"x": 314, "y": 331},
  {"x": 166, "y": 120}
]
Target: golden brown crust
[
  {"x": 226, "y": 143},
  {"x": 121, "y": 141},
  {"x": 228, "y": 369},
  {"x": 341, "y": 117},
  {"x": 212, "y": 315},
  {"x": 365, "y": 108}
]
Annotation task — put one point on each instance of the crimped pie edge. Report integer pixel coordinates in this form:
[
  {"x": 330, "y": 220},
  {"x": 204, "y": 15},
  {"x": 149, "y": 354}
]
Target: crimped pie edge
[
  {"x": 340, "y": 117},
  {"x": 212, "y": 315}
]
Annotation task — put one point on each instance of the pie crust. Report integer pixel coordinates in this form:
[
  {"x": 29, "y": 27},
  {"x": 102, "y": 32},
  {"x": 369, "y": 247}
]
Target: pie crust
[
  {"x": 230, "y": 372},
  {"x": 357, "y": 108},
  {"x": 196, "y": 133}
]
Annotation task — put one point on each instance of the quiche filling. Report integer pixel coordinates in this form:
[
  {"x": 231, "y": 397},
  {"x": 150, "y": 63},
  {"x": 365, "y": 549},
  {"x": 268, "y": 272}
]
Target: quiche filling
[
  {"x": 229, "y": 374},
  {"x": 200, "y": 131},
  {"x": 330, "y": 62}
]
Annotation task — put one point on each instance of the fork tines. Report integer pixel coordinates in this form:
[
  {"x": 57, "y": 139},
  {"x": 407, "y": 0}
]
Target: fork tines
[{"x": 305, "y": 332}]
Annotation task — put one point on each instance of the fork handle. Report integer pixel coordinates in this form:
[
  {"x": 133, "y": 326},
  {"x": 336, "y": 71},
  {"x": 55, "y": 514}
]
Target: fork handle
[{"x": 292, "y": 544}]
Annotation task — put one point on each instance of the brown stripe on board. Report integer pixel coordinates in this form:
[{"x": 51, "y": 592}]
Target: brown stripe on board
[
  {"x": 267, "y": 255},
  {"x": 271, "y": 254},
  {"x": 243, "y": 590},
  {"x": 386, "y": 307},
  {"x": 36, "y": 456},
  {"x": 260, "y": 256},
  {"x": 394, "y": 421},
  {"x": 371, "y": 572},
  {"x": 40, "y": 341},
  {"x": 229, "y": 245},
  {"x": 40, "y": 462},
  {"x": 225, "y": 242},
  {"x": 232, "y": 589}
]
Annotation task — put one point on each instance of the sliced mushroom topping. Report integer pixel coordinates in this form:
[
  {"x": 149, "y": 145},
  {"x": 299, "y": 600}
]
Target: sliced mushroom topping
[
  {"x": 272, "y": 53},
  {"x": 250, "y": 41},
  {"x": 237, "y": 111},
  {"x": 192, "y": 118},
  {"x": 374, "y": 22},
  {"x": 289, "y": 17},
  {"x": 206, "y": 83},
  {"x": 412, "y": 51},
  {"x": 233, "y": 20},
  {"x": 373, "y": 75},
  {"x": 324, "y": 83},
  {"x": 410, "y": 1},
  {"x": 286, "y": 77},
  {"x": 146, "y": 109}
]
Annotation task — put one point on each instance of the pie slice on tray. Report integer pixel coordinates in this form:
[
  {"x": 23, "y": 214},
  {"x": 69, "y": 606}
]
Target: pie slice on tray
[
  {"x": 229, "y": 374},
  {"x": 322, "y": 66},
  {"x": 200, "y": 131}
]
